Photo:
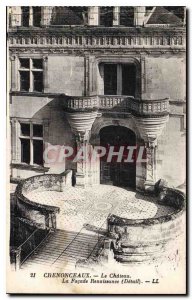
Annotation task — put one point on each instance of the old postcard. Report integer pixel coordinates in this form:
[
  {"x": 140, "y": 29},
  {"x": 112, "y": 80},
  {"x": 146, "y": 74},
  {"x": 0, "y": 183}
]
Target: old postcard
[{"x": 97, "y": 142}]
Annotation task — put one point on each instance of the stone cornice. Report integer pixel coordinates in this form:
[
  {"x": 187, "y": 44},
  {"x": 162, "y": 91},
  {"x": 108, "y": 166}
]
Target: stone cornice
[
  {"x": 111, "y": 39},
  {"x": 95, "y": 30},
  {"x": 96, "y": 51}
]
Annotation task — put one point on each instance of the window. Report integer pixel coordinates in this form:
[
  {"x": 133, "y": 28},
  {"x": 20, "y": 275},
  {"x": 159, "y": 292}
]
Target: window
[
  {"x": 31, "y": 16},
  {"x": 36, "y": 16},
  {"x": 31, "y": 138},
  {"x": 127, "y": 16},
  {"x": 25, "y": 16},
  {"x": 106, "y": 16},
  {"x": 128, "y": 79},
  {"x": 31, "y": 74},
  {"x": 119, "y": 79},
  {"x": 110, "y": 79},
  {"x": 69, "y": 15}
]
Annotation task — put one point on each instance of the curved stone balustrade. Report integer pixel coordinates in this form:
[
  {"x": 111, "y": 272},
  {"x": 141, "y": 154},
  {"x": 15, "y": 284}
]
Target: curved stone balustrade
[
  {"x": 132, "y": 240},
  {"x": 173, "y": 197},
  {"x": 149, "y": 239},
  {"x": 118, "y": 102},
  {"x": 35, "y": 212},
  {"x": 149, "y": 107}
]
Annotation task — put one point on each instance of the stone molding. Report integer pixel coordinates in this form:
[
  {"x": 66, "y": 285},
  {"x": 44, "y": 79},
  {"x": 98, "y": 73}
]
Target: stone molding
[{"x": 99, "y": 37}]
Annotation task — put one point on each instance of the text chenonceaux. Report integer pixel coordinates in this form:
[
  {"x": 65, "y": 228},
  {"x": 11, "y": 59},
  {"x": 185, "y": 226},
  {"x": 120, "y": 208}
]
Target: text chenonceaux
[{"x": 83, "y": 275}]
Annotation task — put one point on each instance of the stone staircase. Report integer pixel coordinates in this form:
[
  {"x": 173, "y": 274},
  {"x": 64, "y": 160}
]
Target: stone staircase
[{"x": 62, "y": 249}]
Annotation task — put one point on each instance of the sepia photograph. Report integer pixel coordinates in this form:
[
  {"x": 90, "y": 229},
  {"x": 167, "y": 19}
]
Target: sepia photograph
[{"x": 96, "y": 143}]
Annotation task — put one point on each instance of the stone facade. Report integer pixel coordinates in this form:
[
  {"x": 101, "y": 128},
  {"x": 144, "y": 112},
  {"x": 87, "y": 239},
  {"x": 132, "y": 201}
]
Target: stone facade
[{"x": 73, "y": 59}]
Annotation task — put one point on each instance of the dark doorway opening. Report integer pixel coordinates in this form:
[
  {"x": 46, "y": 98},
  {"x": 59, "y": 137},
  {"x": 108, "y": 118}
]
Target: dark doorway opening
[{"x": 118, "y": 173}]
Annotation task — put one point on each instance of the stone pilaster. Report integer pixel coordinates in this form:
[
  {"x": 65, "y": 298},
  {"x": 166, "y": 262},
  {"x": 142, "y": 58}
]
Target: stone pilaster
[
  {"x": 93, "y": 15},
  {"x": 150, "y": 178},
  {"x": 116, "y": 15},
  {"x": 13, "y": 77},
  {"x": 139, "y": 15},
  {"x": 150, "y": 129},
  {"x": 82, "y": 145},
  {"x": 46, "y": 15},
  {"x": 45, "y": 74},
  {"x": 15, "y": 16}
]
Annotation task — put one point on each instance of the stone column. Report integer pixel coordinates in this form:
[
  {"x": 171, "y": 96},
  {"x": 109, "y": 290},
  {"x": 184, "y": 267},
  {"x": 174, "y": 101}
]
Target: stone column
[{"x": 93, "y": 15}]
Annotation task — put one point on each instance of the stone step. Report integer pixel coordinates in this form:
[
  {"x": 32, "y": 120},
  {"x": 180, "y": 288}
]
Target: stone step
[{"x": 63, "y": 248}]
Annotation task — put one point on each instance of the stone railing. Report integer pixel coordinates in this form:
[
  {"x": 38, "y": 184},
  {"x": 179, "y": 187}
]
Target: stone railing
[
  {"x": 41, "y": 214},
  {"x": 119, "y": 103},
  {"x": 30, "y": 236},
  {"x": 35, "y": 220},
  {"x": 102, "y": 41},
  {"x": 149, "y": 239},
  {"x": 108, "y": 102},
  {"x": 149, "y": 107},
  {"x": 81, "y": 102}
]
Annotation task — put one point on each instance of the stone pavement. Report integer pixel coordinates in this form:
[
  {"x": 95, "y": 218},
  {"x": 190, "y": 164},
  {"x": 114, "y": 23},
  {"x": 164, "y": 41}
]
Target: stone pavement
[
  {"x": 82, "y": 222},
  {"x": 89, "y": 208}
]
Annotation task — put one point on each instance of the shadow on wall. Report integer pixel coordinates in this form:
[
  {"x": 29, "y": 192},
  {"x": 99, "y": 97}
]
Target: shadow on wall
[{"x": 57, "y": 130}]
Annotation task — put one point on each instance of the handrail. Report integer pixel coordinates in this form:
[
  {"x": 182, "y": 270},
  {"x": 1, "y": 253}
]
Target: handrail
[
  {"x": 33, "y": 233},
  {"x": 89, "y": 256},
  {"x": 19, "y": 260}
]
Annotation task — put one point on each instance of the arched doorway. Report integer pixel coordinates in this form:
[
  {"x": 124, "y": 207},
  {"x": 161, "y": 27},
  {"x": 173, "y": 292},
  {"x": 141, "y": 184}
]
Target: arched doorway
[{"x": 117, "y": 173}]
